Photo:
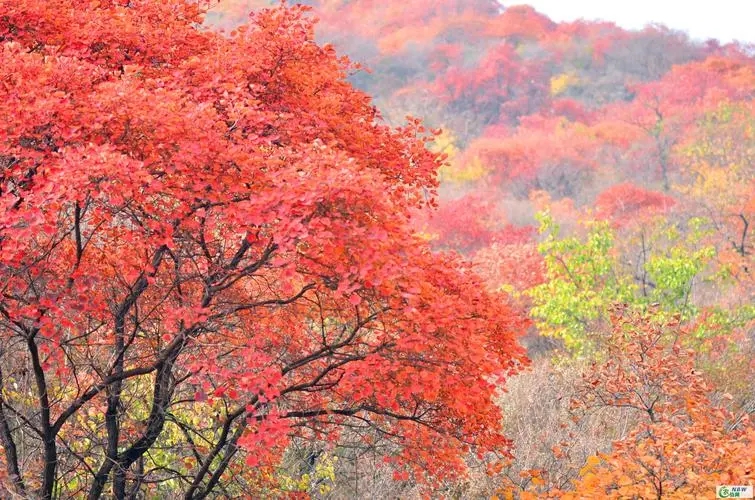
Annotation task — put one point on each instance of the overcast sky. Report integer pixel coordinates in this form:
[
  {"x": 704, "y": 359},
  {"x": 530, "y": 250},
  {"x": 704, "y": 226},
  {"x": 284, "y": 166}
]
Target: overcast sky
[{"x": 725, "y": 20}]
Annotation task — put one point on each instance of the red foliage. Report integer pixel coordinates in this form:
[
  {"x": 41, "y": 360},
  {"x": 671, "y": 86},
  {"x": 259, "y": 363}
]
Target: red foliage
[
  {"x": 570, "y": 109},
  {"x": 624, "y": 202},
  {"x": 212, "y": 232},
  {"x": 500, "y": 80},
  {"x": 472, "y": 222},
  {"x": 547, "y": 153},
  {"x": 517, "y": 266},
  {"x": 521, "y": 22}
]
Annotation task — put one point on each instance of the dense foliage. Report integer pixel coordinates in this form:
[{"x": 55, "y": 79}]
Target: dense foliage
[{"x": 205, "y": 253}]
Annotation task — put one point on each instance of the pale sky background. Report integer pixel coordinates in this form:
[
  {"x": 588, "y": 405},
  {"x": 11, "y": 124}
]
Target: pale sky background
[{"x": 725, "y": 20}]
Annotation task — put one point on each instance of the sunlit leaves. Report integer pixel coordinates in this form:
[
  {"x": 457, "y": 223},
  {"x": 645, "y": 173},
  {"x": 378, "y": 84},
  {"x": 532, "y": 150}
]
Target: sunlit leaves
[{"x": 586, "y": 275}]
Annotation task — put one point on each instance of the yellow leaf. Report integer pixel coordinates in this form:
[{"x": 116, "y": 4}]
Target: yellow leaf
[
  {"x": 591, "y": 463},
  {"x": 560, "y": 83}
]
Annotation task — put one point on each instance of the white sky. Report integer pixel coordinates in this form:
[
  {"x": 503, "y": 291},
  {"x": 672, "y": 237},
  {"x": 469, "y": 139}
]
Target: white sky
[{"x": 725, "y": 20}]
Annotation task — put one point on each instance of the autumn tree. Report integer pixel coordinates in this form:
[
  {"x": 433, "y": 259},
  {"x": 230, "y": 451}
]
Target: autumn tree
[
  {"x": 660, "y": 262},
  {"x": 625, "y": 202},
  {"x": 678, "y": 437},
  {"x": 686, "y": 442},
  {"x": 205, "y": 253},
  {"x": 718, "y": 157},
  {"x": 664, "y": 111}
]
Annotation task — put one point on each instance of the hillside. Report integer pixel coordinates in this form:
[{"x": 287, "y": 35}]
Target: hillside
[{"x": 531, "y": 108}]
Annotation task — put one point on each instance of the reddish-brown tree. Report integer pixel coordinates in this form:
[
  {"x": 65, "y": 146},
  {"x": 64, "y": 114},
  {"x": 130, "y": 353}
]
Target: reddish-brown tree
[
  {"x": 205, "y": 251},
  {"x": 624, "y": 202},
  {"x": 472, "y": 222},
  {"x": 685, "y": 439},
  {"x": 686, "y": 442}
]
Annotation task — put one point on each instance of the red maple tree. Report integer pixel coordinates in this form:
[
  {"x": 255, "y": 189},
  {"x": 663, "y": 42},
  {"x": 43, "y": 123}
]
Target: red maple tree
[{"x": 205, "y": 251}]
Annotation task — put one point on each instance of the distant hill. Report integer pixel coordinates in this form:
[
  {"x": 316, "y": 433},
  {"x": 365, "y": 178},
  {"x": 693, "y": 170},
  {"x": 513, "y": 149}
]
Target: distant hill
[{"x": 530, "y": 106}]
